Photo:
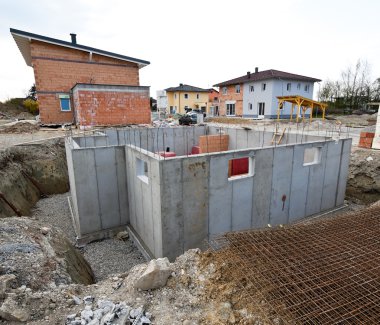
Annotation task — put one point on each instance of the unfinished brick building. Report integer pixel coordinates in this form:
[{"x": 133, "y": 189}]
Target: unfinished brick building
[{"x": 84, "y": 85}]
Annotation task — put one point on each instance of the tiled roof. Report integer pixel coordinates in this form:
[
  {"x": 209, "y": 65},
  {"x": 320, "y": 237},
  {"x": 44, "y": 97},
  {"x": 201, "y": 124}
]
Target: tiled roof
[
  {"x": 265, "y": 75},
  {"x": 183, "y": 87}
]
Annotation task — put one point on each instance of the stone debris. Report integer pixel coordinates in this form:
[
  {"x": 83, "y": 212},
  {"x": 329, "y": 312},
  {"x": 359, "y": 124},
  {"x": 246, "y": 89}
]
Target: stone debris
[
  {"x": 10, "y": 311},
  {"x": 106, "y": 312},
  {"x": 155, "y": 275},
  {"x": 122, "y": 235}
]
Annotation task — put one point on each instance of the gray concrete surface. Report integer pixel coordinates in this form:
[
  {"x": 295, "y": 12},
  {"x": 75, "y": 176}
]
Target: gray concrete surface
[{"x": 175, "y": 204}]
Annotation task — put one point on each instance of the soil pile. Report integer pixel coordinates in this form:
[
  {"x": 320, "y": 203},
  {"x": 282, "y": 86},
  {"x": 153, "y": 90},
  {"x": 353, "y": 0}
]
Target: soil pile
[
  {"x": 364, "y": 176},
  {"x": 29, "y": 171}
]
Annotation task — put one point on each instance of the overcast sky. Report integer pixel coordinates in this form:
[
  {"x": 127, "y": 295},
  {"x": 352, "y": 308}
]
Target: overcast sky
[{"x": 200, "y": 42}]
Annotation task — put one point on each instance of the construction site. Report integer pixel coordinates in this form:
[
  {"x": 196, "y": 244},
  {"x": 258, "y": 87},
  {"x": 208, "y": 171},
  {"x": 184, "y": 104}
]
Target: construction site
[{"x": 226, "y": 222}]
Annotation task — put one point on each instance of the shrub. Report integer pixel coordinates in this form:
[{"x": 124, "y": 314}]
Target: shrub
[{"x": 31, "y": 105}]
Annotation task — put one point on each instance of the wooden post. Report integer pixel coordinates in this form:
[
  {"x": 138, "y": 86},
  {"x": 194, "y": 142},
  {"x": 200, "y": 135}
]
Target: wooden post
[
  {"x": 311, "y": 112},
  {"x": 278, "y": 110},
  {"x": 291, "y": 112}
]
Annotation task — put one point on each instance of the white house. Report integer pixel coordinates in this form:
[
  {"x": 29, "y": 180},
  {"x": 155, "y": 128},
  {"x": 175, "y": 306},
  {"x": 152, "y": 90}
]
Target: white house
[
  {"x": 258, "y": 92},
  {"x": 162, "y": 100}
]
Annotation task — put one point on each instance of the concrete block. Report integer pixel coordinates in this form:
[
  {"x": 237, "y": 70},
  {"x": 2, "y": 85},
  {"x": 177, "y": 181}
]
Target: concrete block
[{"x": 343, "y": 171}]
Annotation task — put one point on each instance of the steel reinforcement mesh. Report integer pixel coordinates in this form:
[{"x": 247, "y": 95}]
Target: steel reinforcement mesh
[{"x": 322, "y": 272}]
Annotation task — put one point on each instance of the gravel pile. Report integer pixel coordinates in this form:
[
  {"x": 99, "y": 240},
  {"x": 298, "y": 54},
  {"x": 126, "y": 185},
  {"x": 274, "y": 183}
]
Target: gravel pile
[{"x": 106, "y": 257}]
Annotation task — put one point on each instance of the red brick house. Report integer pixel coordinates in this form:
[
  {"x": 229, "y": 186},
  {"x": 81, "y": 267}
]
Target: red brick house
[{"x": 84, "y": 85}]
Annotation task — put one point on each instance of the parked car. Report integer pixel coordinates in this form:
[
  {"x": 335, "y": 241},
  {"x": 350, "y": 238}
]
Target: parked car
[{"x": 187, "y": 119}]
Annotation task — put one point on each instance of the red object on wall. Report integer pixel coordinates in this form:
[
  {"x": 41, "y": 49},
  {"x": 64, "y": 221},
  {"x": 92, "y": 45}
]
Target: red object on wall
[
  {"x": 167, "y": 154},
  {"x": 240, "y": 166},
  {"x": 196, "y": 150}
]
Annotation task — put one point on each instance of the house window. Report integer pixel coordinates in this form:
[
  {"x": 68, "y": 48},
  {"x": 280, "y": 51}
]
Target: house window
[
  {"x": 240, "y": 168},
  {"x": 171, "y": 110},
  {"x": 142, "y": 170},
  {"x": 230, "y": 110},
  {"x": 224, "y": 90},
  {"x": 312, "y": 156},
  {"x": 252, "y": 89},
  {"x": 197, "y": 96},
  {"x": 261, "y": 107},
  {"x": 288, "y": 86},
  {"x": 237, "y": 89},
  {"x": 186, "y": 96},
  {"x": 250, "y": 106},
  {"x": 175, "y": 96},
  {"x": 215, "y": 99},
  {"x": 263, "y": 87},
  {"x": 307, "y": 87},
  {"x": 65, "y": 103},
  {"x": 298, "y": 86}
]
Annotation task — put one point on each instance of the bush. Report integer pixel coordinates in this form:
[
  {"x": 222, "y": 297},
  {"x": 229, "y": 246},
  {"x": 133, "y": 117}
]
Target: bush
[{"x": 31, "y": 105}]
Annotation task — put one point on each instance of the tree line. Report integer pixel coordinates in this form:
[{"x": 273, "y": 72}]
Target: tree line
[{"x": 353, "y": 90}]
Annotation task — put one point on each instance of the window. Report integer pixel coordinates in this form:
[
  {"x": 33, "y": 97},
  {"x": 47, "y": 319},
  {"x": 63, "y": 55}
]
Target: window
[
  {"x": 175, "y": 96},
  {"x": 312, "y": 156},
  {"x": 263, "y": 87},
  {"x": 142, "y": 170},
  {"x": 240, "y": 168},
  {"x": 224, "y": 90},
  {"x": 215, "y": 99},
  {"x": 307, "y": 87},
  {"x": 230, "y": 109},
  {"x": 250, "y": 106},
  {"x": 171, "y": 110},
  {"x": 261, "y": 107},
  {"x": 197, "y": 96},
  {"x": 65, "y": 103},
  {"x": 186, "y": 96},
  {"x": 298, "y": 86},
  {"x": 252, "y": 89},
  {"x": 237, "y": 89},
  {"x": 288, "y": 86}
]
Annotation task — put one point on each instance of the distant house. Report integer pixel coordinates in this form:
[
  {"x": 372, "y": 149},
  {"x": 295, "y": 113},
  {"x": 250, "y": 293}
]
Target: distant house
[
  {"x": 184, "y": 97},
  {"x": 213, "y": 100},
  {"x": 84, "y": 85},
  {"x": 254, "y": 95}
]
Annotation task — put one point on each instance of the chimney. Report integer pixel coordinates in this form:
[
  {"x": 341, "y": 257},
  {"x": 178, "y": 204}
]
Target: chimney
[
  {"x": 249, "y": 74},
  {"x": 180, "y": 85},
  {"x": 256, "y": 70},
  {"x": 73, "y": 38}
]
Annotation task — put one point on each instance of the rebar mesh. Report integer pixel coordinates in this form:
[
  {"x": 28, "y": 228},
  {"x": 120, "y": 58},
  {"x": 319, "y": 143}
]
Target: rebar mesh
[{"x": 323, "y": 272}]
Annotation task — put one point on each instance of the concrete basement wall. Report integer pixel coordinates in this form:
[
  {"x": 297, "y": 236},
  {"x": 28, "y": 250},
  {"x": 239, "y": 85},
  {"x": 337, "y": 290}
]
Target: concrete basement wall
[
  {"x": 177, "y": 203},
  {"x": 98, "y": 185},
  {"x": 145, "y": 199},
  {"x": 198, "y": 199}
]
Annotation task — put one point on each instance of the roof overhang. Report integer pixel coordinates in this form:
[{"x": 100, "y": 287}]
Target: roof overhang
[{"x": 24, "y": 39}]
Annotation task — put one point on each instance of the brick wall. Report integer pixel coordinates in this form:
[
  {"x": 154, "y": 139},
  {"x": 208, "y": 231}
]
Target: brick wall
[
  {"x": 51, "y": 113},
  {"x": 231, "y": 95},
  {"x": 112, "y": 107},
  {"x": 213, "y": 143},
  {"x": 57, "y": 69},
  {"x": 366, "y": 139}
]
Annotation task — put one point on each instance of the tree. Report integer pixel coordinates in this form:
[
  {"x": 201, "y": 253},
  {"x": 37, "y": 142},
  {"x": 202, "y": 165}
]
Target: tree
[{"x": 32, "y": 93}]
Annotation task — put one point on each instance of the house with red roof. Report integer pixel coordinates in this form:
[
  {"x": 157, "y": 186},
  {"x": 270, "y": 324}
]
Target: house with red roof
[
  {"x": 254, "y": 95},
  {"x": 83, "y": 85}
]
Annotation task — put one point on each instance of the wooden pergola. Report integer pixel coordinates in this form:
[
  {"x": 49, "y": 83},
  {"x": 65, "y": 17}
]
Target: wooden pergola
[{"x": 301, "y": 103}]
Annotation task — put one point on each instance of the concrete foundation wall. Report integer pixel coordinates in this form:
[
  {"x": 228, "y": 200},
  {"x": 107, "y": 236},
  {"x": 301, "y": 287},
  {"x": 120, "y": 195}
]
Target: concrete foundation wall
[
  {"x": 144, "y": 199},
  {"x": 175, "y": 204},
  {"x": 98, "y": 185}
]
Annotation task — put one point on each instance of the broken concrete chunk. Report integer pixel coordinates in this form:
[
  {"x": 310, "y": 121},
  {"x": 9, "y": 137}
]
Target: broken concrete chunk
[
  {"x": 12, "y": 312},
  {"x": 5, "y": 281},
  {"x": 155, "y": 275},
  {"x": 122, "y": 235}
]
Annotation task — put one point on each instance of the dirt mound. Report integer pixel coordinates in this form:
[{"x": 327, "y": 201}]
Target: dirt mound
[
  {"x": 27, "y": 126},
  {"x": 40, "y": 257},
  {"x": 364, "y": 176},
  {"x": 29, "y": 171},
  {"x": 12, "y": 108}
]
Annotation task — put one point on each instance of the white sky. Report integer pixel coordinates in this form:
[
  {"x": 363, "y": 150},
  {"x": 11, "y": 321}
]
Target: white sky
[{"x": 200, "y": 42}]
